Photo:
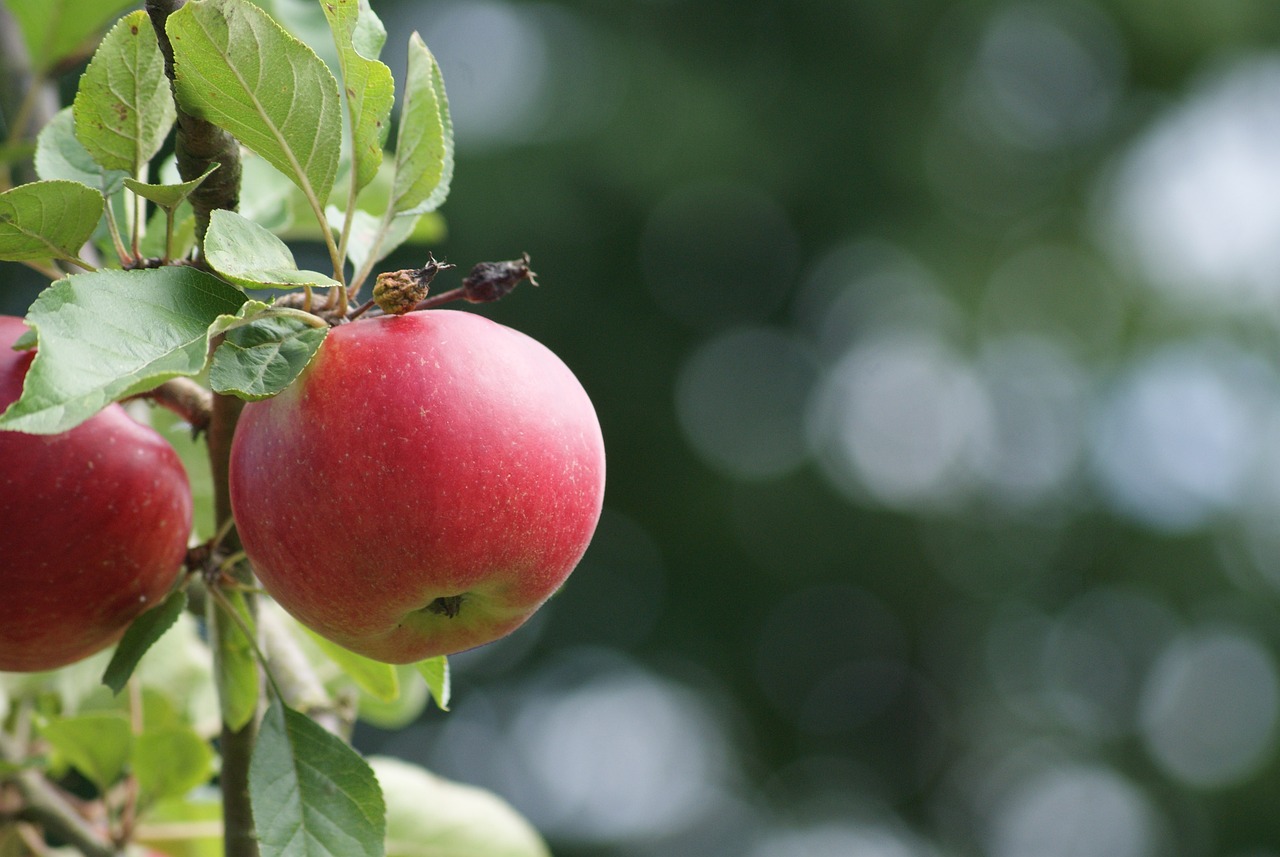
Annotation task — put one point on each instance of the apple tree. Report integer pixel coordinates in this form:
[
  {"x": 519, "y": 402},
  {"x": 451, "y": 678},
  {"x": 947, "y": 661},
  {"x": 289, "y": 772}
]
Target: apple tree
[{"x": 387, "y": 483}]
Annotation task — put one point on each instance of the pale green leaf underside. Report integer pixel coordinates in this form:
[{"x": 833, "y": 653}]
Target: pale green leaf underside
[
  {"x": 60, "y": 155},
  {"x": 436, "y": 672},
  {"x": 369, "y": 86},
  {"x": 168, "y": 196},
  {"x": 47, "y": 219},
  {"x": 424, "y": 144},
  {"x": 249, "y": 254},
  {"x": 53, "y": 29},
  {"x": 111, "y": 334},
  {"x": 237, "y": 68},
  {"x": 260, "y": 359},
  {"x": 311, "y": 793},
  {"x": 124, "y": 107},
  {"x": 373, "y": 677}
]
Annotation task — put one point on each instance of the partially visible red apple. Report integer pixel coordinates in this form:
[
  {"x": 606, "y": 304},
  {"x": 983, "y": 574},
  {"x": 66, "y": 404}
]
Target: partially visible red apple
[
  {"x": 424, "y": 486},
  {"x": 93, "y": 528}
]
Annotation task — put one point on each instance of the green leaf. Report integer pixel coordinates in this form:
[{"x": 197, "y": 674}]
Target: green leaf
[
  {"x": 359, "y": 36},
  {"x": 54, "y": 29},
  {"x": 260, "y": 359},
  {"x": 124, "y": 107},
  {"x": 47, "y": 219},
  {"x": 168, "y": 196},
  {"x": 235, "y": 669},
  {"x": 142, "y": 634},
  {"x": 60, "y": 155},
  {"x": 436, "y": 672},
  {"x": 239, "y": 69},
  {"x": 171, "y": 761},
  {"x": 111, "y": 334},
  {"x": 248, "y": 254},
  {"x": 424, "y": 144},
  {"x": 97, "y": 744},
  {"x": 373, "y": 677},
  {"x": 311, "y": 793}
]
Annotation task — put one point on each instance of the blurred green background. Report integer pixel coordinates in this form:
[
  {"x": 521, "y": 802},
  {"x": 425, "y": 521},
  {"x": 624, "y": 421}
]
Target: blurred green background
[{"x": 934, "y": 345}]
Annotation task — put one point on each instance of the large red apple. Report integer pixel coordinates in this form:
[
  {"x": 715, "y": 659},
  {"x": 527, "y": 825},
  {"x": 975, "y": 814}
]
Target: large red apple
[
  {"x": 93, "y": 528},
  {"x": 424, "y": 486}
]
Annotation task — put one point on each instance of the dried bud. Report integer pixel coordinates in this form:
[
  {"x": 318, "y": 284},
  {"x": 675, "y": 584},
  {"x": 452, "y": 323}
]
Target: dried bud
[
  {"x": 397, "y": 292},
  {"x": 489, "y": 281}
]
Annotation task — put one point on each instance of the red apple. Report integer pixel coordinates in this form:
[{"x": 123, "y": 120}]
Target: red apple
[
  {"x": 423, "y": 487},
  {"x": 93, "y": 528}
]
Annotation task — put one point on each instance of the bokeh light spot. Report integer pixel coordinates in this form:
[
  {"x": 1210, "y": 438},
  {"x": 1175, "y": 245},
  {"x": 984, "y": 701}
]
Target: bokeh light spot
[
  {"x": 740, "y": 400},
  {"x": 1209, "y": 707}
]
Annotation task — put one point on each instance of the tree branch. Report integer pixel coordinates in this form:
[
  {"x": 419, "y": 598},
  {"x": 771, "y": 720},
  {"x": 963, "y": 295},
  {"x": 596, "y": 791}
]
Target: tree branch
[
  {"x": 185, "y": 398},
  {"x": 199, "y": 144}
]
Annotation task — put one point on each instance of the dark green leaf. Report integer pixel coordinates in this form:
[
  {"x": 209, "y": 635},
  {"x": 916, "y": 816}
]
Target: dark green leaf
[
  {"x": 424, "y": 144},
  {"x": 246, "y": 253},
  {"x": 60, "y": 155},
  {"x": 47, "y": 219},
  {"x": 171, "y": 761},
  {"x": 436, "y": 672},
  {"x": 239, "y": 69},
  {"x": 368, "y": 83},
  {"x": 311, "y": 793},
  {"x": 142, "y": 634},
  {"x": 97, "y": 744},
  {"x": 124, "y": 107},
  {"x": 260, "y": 359},
  {"x": 111, "y": 334}
]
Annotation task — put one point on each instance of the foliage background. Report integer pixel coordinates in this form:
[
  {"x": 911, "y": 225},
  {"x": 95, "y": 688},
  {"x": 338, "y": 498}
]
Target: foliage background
[{"x": 933, "y": 344}]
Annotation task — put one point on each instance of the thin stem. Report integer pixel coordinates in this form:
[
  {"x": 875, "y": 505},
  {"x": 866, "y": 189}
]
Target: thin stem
[
  {"x": 358, "y": 278},
  {"x": 169, "y": 215},
  {"x": 114, "y": 229},
  {"x": 236, "y": 745},
  {"x": 460, "y": 293},
  {"x": 233, "y": 614},
  {"x": 349, "y": 218}
]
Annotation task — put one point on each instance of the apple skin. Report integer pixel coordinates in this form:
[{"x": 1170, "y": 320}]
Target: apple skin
[
  {"x": 93, "y": 528},
  {"x": 432, "y": 455}
]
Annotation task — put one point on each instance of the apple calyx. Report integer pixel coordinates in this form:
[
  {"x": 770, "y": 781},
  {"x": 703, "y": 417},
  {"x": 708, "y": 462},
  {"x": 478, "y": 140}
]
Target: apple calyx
[
  {"x": 448, "y": 606},
  {"x": 399, "y": 292}
]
